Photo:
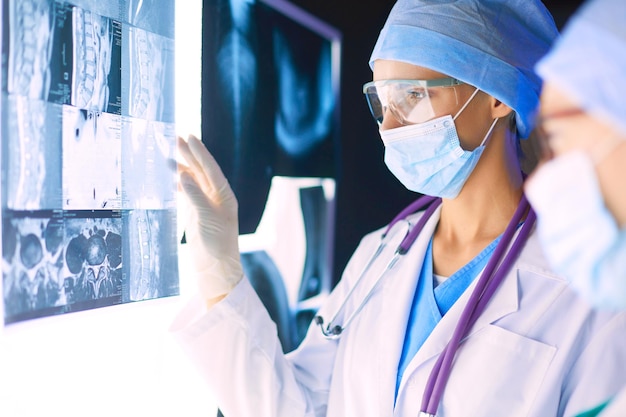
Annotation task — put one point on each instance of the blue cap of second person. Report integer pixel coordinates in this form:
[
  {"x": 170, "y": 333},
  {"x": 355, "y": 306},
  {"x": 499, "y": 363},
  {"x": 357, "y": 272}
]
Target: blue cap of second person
[
  {"x": 490, "y": 44},
  {"x": 588, "y": 63}
]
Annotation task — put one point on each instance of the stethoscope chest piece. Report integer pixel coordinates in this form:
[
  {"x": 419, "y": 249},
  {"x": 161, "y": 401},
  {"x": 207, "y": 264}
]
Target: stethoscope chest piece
[
  {"x": 401, "y": 230},
  {"x": 488, "y": 282},
  {"x": 398, "y": 231}
]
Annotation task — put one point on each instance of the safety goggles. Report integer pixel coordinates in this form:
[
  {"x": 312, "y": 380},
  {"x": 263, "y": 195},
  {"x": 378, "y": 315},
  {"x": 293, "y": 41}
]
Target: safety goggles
[{"x": 411, "y": 101}]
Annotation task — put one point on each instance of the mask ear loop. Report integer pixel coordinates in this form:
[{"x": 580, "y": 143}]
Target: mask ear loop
[
  {"x": 488, "y": 135},
  {"x": 493, "y": 124},
  {"x": 466, "y": 103}
]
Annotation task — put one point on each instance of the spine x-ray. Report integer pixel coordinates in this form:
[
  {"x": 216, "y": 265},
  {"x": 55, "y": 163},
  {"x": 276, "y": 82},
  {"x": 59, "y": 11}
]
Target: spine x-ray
[{"x": 88, "y": 189}]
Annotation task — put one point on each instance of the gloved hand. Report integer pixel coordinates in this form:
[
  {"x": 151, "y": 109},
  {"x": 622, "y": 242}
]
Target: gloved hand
[{"x": 212, "y": 227}]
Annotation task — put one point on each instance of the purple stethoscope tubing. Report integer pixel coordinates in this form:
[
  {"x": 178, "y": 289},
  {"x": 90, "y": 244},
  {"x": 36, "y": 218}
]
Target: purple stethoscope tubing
[
  {"x": 415, "y": 206},
  {"x": 331, "y": 331},
  {"x": 485, "y": 288},
  {"x": 431, "y": 204},
  {"x": 492, "y": 276}
]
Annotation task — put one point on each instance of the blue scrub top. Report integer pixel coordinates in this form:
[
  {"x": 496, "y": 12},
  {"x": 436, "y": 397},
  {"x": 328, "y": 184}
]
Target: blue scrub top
[{"x": 430, "y": 304}]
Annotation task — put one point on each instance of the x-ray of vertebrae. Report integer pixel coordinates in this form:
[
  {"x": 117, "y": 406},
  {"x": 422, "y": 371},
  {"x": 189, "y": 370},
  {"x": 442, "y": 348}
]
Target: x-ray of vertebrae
[
  {"x": 65, "y": 55},
  {"x": 30, "y": 47},
  {"x": 31, "y": 138},
  {"x": 152, "y": 255},
  {"x": 60, "y": 263},
  {"x": 88, "y": 201},
  {"x": 95, "y": 40},
  {"x": 150, "y": 81},
  {"x": 155, "y": 16}
]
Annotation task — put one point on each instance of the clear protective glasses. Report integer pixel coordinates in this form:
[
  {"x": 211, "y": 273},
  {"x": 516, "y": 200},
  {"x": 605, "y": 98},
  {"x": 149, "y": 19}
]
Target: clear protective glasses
[{"x": 411, "y": 101}]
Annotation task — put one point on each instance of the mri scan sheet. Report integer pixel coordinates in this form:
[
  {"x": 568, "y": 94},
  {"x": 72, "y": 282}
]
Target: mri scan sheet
[{"x": 88, "y": 138}]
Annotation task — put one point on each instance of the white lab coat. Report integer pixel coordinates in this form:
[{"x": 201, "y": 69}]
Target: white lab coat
[
  {"x": 538, "y": 350},
  {"x": 617, "y": 406}
]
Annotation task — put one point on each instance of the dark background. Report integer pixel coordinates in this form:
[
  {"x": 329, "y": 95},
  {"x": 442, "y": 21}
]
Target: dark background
[{"x": 368, "y": 195}]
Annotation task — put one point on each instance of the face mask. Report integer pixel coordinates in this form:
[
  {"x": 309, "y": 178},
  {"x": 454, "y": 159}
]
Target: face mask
[
  {"x": 580, "y": 237},
  {"x": 427, "y": 157}
]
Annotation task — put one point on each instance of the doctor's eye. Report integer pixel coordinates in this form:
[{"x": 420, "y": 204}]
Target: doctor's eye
[{"x": 414, "y": 95}]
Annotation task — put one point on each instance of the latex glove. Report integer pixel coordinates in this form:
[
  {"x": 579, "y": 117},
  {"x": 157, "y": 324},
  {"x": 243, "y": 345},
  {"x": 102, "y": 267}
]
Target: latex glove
[{"x": 212, "y": 227}]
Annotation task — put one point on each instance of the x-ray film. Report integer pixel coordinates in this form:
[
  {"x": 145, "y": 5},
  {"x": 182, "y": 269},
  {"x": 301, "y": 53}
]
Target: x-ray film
[
  {"x": 92, "y": 154},
  {"x": 59, "y": 261},
  {"x": 150, "y": 82},
  {"x": 269, "y": 97},
  {"x": 155, "y": 16},
  {"x": 88, "y": 186},
  {"x": 64, "y": 54},
  {"x": 151, "y": 250},
  {"x": 96, "y": 70},
  {"x": 148, "y": 150},
  {"x": 29, "y": 47},
  {"x": 31, "y": 140}
]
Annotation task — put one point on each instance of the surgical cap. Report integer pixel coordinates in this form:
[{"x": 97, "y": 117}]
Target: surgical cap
[
  {"x": 589, "y": 62},
  {"x": 490, "y": 44}
]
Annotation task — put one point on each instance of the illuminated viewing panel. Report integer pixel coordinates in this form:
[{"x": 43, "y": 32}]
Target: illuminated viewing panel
[{"x": 88, "y": 135}]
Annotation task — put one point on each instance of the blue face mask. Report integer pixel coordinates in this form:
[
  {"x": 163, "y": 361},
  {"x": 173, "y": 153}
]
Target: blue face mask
[
  {"x": 427, "y": 157},
  {"x": 579, "y": 236}
]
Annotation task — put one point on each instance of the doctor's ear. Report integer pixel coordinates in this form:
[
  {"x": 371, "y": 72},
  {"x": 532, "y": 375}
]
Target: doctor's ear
[{"x": 499, "y": 109}]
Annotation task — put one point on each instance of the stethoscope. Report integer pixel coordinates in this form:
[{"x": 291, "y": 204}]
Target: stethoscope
[{"x": 493, "y": 274}]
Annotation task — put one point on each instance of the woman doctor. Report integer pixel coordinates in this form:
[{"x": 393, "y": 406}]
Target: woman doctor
[
  {"x": 579, "y": 192},
  {"x": 453, "y": 91}
]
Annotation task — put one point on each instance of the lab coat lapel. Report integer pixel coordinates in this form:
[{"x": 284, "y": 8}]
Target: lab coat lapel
[
  {"x": 398, "y": 295},
  {"x": 504, "y": 302}
]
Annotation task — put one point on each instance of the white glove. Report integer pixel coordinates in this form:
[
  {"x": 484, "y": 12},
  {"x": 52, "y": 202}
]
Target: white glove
[{"x": 212, "y": 227}]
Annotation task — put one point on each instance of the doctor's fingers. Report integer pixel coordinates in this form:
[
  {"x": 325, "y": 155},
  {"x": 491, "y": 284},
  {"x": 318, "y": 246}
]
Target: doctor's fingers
[
  {"x": 198, "y": 201},
  {"x": 204, "y": 202},
  {"x": 191, "y": 165},
  {"x": 211, "y": 170}
]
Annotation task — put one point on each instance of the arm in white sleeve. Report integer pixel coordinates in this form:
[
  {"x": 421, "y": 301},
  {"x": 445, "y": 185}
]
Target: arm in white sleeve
[{"x": 234, "y": 344}]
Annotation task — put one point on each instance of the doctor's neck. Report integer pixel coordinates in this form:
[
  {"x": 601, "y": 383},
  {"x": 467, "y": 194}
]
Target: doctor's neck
[{"x": 490, "y": 195}]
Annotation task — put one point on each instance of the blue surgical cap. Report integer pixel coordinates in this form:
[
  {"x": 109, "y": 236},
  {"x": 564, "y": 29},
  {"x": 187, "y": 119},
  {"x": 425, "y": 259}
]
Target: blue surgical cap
[
  {"x": 589, "y": 62},
  {"x": 490, "y": 44}
]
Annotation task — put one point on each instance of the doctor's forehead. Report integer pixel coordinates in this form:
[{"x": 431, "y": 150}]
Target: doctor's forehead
[{"x": 398, "y": 70}]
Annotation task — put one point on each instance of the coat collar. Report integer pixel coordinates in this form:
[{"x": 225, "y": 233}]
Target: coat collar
[
  {"x": 396, "y": 304},
  {"x": 397, "y": 298}
]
